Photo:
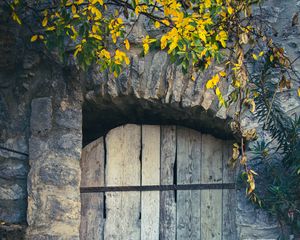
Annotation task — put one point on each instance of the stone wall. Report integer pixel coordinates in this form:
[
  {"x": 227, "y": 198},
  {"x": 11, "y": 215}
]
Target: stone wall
[
  {"x": 40, "y": 116},
  {"x": 54, "y": 177},
  {"x": 41, "y": 108}
]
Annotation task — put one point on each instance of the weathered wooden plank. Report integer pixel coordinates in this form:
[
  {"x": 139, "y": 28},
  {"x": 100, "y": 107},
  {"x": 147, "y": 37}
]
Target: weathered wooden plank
[
  {"x": 211, "y": 200},
  {"x": 229, "y": 196},
  {"x": 92, "y": 174},
  {"x": 123, "y": 168},
  {"x": 167, "y": 226},
  {"x": 150, "y": 176},
  {"x": 188, "y": 172}
]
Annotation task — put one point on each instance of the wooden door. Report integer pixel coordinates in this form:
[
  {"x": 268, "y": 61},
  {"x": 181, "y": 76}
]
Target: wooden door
[{"x": 157, "y": 182}]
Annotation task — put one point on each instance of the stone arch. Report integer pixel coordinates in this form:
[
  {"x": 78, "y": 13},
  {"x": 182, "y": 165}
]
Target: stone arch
[{"x": 150, "y": 91}]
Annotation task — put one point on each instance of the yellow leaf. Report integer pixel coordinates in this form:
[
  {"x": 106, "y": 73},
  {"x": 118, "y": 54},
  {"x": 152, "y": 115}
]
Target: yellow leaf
[
  {"x": 163, "y": 42},
  {"x": 97, "y": 13},
  {"x": 173, "y": 45},
  {"x": 271, "y": 58},
  {"x": 104, "y": 54},
  {"x": 127, "y": 61},
  {"x": 298, "y": 91},
  {"x": 209, "y": 84},
  {"x": 78, "y": 49},
  {"x": 218, "y": 92},
  {"x": 261, "y": 53},
  {"x": 68, "y": 3},
  {"x": 230, "y": 10},
  {"x": 41, "y": 37},
  {"x": 98, "y": 37},
  {"x": 222, "y": 74},
  {"x": 146, "y": 48},
  {"x": 254, "y": 57},
  {"x": 74, "y": 9},
  {"x": 16, "y": 18},
  {"x": 95, "y": 28},
  {"x": 34, "y": 38},
  {"x": 213, "y": 82},
  {"x": 50, "y": 28},
  {"x": 157, "y": 24},
  {"x": 45, "y": 22},
  {"x": 207, "y": 3},
  {"x": 166, "y": 22},
  {"x": 127, "y": 44}
]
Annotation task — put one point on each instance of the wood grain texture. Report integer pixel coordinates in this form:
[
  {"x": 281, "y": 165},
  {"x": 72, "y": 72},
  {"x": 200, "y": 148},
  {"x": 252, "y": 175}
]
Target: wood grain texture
[
  {"x": 92, "y": 174},
  {"x": 188, "y": 172},
  {"x": 211, "y": 200},
  {"x": 153, "y": 155},
  {"x": 123, "y": 168},
  {"x": 150, "y": 176},
  {"x": 229, "y": 196},
  {"x": 167, "y": 226}
]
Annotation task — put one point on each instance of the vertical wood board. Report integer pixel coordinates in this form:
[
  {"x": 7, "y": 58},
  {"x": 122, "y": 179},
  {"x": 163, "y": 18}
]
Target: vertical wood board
[
  {"x": 123, "y": 168},
  {"x": 150, "y": 176},
  {"x": 211, "y": 200},
  {"x": 167, "y": 221},
  {"x": 188, "y": 172},
  {"x": 92, "y": 174},
  {"x": 229, "y": 196}
]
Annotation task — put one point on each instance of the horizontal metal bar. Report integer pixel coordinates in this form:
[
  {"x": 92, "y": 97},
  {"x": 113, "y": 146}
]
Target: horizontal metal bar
[{"x": 158, "y": 187}]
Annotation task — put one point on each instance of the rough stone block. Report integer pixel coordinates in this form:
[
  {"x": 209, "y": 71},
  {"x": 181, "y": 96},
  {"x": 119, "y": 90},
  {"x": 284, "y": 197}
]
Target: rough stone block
[
  {"x": 59, "y": 175},
  {"x": 67, "y": 145},
  {"x": 41, "y": 115},
  {"x": 37, "y": 148},
  {"x": 60, "y": 209},
  {"x": 11, "y": 191},
  {"x": 13, "y": 169},
  {"x": 12, "y": 232},
  {"x": 13, "y": 211},
  {"x": 69, "y": 118}
]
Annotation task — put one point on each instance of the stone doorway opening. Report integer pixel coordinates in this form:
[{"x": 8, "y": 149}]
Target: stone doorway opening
[{"x": 102, "y": 114}]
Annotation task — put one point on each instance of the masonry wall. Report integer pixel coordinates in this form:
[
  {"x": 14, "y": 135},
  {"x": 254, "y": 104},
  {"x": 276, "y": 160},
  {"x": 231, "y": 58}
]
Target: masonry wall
[{"x": 41, "y": 105}]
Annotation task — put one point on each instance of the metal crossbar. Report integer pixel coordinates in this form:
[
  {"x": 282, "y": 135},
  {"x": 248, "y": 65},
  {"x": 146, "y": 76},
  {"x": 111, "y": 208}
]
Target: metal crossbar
[{"x": 158, "y": 188}]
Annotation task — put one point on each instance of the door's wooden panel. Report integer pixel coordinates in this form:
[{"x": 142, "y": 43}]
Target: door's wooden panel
[
  {"x": 150, "y": 176},
  {"x": 167, "y": 225},
  {"x": 211, "y": 200},
  {"x": 188, "y": 172},
  {"x": 147, "y": 155},
  {"x": 229, "y": 196},
  {"x": 92, "y": 174},
  {"x": 123, "y": 168}
]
